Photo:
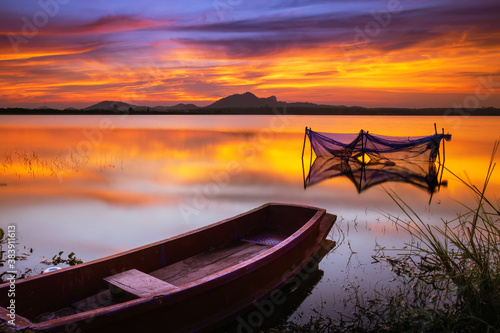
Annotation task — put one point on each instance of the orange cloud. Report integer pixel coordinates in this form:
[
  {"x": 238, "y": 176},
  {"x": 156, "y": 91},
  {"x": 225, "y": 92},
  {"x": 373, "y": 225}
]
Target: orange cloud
[{"x": 316, "y": 58}]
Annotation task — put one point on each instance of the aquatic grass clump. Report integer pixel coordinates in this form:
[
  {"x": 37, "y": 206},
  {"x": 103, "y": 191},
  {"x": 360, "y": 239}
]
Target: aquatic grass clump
[
  {"x": 460, "y": 260},
  {"x": 449, "y": 276}
]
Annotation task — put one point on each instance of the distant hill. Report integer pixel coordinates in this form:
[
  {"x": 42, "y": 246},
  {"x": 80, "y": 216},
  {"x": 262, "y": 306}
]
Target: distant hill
[
  {"x": 111, "y": 106},
  {"x": 307, "y": 105},
  {"x": 248, "y": 103},
  {"x": 236, "y": 101},
  {"x": 246, "y": 100},
  {"x": 182, "y": 106},
  {"x": 121, "y": 106}
]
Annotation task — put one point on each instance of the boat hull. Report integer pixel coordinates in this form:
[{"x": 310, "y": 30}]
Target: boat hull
[{"x": 200, "y": 305}]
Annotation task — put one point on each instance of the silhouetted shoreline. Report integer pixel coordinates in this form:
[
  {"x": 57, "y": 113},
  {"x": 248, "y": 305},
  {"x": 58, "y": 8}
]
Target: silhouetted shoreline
[
  {"x": 327, "y": 111},
  {"x": 249, "y": 104}
]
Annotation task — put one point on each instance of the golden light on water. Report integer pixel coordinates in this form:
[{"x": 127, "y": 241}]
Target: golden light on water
[
  {"x": 66, "y": 176},
  {"x": 181, "y": 156}
]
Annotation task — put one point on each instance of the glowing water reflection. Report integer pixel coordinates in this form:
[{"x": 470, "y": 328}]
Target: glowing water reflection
[{"x": 97, "y": 185}]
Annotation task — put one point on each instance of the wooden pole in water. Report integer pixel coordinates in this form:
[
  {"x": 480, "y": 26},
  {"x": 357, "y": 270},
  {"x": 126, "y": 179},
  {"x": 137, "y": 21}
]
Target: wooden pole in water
[
  {"x": 303, "y": 168},
  {"x": 444, "y": 155},
  {"x": 362, "y": 147},
  {"x": 442, "y": 166},
  {"x": 311, "y": 154},
  {"x": 439, "y": 155},
  {"x": 304, "y": 144}
]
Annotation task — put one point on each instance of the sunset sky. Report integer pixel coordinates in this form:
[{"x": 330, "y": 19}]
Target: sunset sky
[{"x": 395, "y": 53}]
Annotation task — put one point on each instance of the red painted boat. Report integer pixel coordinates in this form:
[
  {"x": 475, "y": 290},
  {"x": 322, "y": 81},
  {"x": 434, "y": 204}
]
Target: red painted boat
[{"x": 188, "y": 283}]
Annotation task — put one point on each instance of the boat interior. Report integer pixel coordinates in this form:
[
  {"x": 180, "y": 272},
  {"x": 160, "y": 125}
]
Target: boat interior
[{"x": 132, "y": 283}]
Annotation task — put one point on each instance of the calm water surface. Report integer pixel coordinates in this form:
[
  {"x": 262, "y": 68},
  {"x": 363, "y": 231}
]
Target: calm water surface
[{"x": 98, "y": 185}]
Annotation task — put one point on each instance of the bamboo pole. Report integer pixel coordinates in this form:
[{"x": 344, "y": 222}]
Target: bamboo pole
[{"x": 303, "y": 168}]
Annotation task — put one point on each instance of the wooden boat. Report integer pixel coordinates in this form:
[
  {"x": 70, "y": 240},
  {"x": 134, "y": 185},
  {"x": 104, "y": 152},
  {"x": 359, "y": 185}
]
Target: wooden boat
[{"x": 191, "y": 282}]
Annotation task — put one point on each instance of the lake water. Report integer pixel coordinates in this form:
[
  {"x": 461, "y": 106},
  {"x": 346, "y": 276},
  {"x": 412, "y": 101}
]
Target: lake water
[{"x": 98, "y": 185}]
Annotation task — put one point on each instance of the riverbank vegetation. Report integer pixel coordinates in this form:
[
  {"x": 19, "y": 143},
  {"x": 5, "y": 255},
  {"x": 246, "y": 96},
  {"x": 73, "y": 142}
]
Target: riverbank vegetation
[{"x": 450, "y": 276}]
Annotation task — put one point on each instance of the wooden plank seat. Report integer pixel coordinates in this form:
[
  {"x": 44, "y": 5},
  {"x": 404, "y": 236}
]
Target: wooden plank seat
[
  {"x": 138, "y": 283},
  {"x": 210, "y": 262},
  {"x": 188, "y": 270}
]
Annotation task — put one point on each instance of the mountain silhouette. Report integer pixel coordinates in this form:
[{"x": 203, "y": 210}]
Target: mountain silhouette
[
  {"x": 182, "y": 106},
  {"x": 111, "y": 106},
  {"x": 246, "y": 100},
  {"x": 236, "y": 101}
]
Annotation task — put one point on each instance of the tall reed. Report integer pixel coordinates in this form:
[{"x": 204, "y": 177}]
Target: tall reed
[
  {"x": 450, "y": 276},
  {"x": 462, "y": 256}
]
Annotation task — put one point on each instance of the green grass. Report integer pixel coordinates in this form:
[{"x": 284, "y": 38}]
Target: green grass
[
  {"x": 461, "y": 258},
  {"x": 450, "y": 276}
]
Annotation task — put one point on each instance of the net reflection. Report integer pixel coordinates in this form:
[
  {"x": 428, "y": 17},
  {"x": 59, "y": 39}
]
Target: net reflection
[{"x": 369, "y": 160}]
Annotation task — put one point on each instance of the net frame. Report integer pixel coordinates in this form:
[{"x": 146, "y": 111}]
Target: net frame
[{"x": 370, "y": 159}]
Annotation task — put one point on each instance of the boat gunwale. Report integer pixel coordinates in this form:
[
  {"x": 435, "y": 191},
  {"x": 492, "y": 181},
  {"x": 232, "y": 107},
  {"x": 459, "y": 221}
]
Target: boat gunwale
[{"x": 216, "y": 278}]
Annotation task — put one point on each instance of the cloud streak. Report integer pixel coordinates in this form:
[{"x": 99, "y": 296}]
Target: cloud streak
[{"x": 166, "y": 53}]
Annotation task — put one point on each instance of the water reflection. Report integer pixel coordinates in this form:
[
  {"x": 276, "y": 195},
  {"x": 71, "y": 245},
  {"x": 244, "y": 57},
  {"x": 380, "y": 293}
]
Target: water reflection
[
  {"x": 97, "y": 191},
  {"x": 113, "y": 177},
  {"x": 368, "y": 160},
  {"x": 282, "y": 304},
  {"x": 366, "y": 176}
]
